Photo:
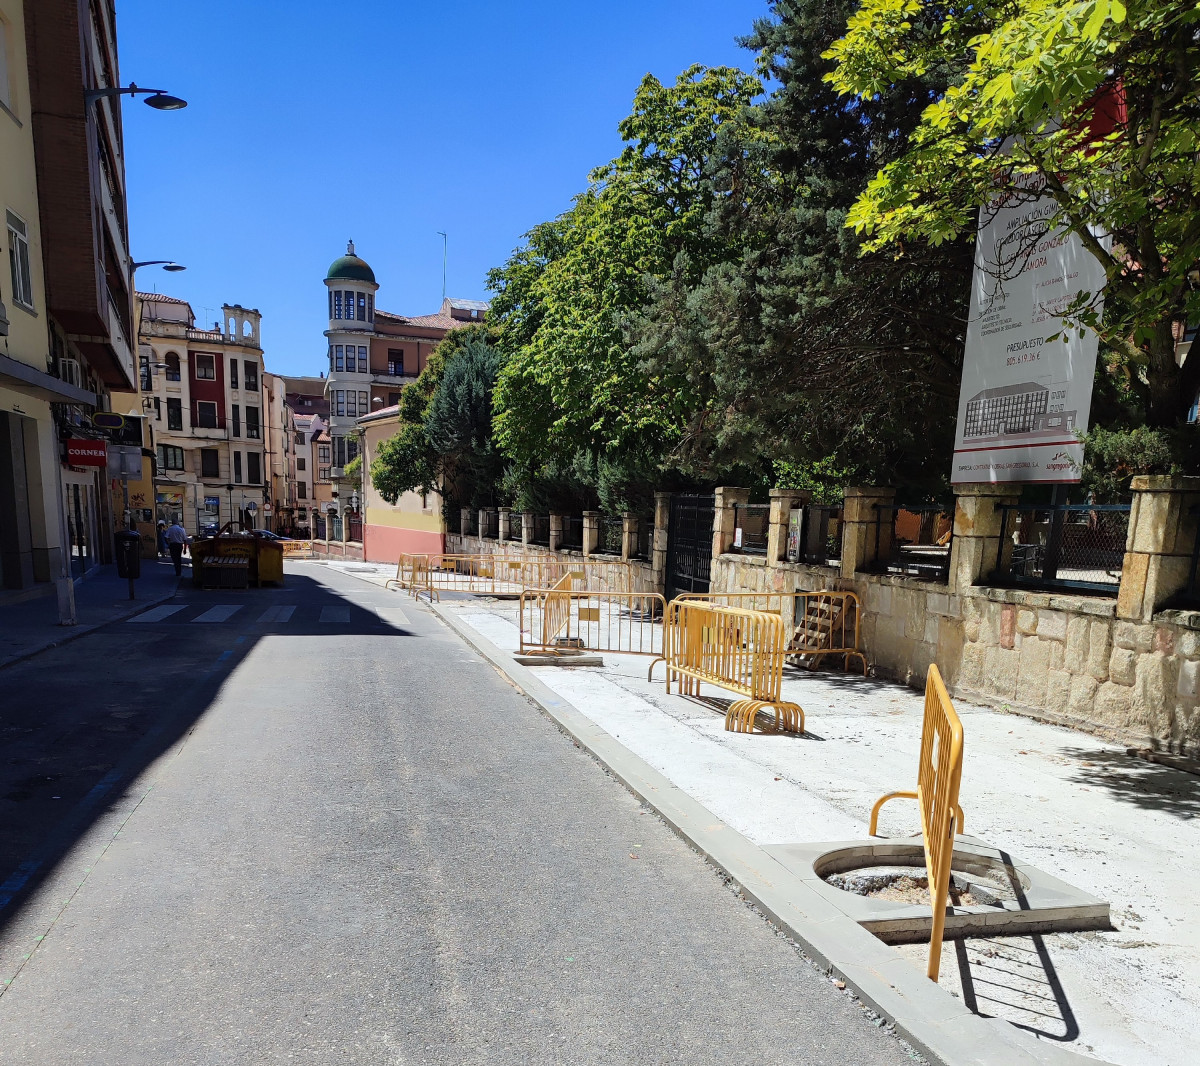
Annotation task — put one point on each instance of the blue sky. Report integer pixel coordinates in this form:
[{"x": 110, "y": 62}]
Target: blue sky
[{"x": 313, "y": 122}]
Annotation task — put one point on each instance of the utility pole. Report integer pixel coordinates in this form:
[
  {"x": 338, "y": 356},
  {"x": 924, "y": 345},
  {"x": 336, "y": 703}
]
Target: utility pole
[{"x": 445, "y": 245}]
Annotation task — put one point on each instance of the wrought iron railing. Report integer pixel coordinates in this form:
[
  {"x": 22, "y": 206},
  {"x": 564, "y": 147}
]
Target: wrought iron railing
[
  {"x": 540, "y": 533},
  {"x": 572, "y": 532},
  {"x": 1068, "y": 546},
  {"x": 354, "y": 527},
  {"x": 515, "y": 525},
  {"x": 750, "y": 524},
  {"x": 470, "y": 523},
  {"x": 645, "y": 538},
  {"x": 611, "y": 536},
  {"x": 489, "y": 524},
  {"x": 919, "y": 540},
  {"x": 821, "y": 535}
]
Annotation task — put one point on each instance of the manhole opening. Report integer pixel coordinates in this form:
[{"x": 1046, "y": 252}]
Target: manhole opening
[{"x": 904, "y": 884}]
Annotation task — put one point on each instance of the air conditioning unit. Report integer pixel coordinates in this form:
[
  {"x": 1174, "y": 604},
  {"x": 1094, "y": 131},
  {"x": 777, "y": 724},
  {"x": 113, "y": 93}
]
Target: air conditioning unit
[{"x": 71, "y": 372}]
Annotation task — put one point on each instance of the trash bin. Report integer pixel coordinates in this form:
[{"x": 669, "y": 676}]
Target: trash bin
[{"x": 129, "y": 553}]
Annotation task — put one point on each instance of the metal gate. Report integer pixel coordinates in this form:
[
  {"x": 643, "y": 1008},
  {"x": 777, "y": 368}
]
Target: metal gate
[{"x": 689, "y": 544}]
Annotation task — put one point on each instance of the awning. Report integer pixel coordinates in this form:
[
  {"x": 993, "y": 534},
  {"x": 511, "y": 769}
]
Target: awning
[{"x": 21, "y": 377}]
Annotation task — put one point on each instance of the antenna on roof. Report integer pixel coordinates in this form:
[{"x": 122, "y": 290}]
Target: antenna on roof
[{"x": 445, "y": 242}]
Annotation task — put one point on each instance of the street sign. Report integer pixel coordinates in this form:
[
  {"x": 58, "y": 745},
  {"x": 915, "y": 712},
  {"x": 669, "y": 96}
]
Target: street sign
[
  {"x": 252, "y": 507},
  {"x": 86, "y": 452}
]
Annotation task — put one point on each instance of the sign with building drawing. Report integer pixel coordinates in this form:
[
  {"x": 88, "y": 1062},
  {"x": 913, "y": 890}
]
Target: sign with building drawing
[{"x": 1025, "y": 397}]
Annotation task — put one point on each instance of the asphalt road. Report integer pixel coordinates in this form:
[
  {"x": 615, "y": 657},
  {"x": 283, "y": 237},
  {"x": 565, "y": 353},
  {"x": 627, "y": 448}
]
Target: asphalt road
[{"x": 311, "y": 825}]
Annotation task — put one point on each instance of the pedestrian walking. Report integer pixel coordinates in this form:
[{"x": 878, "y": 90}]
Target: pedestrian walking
[
  {"x": 162, "y": 538},
  {"x": 177, "y": 542}
]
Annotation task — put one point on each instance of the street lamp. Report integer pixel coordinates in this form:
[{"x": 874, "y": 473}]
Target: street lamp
[
  {"x": 166, "y": 264},
  {"x": 159, "y": 99}
]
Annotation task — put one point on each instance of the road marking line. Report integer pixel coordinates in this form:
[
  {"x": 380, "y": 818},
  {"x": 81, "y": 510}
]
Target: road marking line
[
  {"x": 157, "y": 614},
  {"x": 276, "y": 614},
  {"x": 221, "y": 613},
  {"x": 335, "y": 614}
]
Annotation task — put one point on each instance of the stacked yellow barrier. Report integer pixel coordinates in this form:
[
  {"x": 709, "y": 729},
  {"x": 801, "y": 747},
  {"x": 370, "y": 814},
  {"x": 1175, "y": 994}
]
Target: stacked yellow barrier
[
  {"x": 736, "y": 649},
  {"x": 939, "y": 774}
]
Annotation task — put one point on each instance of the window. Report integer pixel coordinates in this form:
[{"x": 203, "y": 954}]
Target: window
[
  {"x": 144, "y": 373},
  {"x": 362, "y": 306},
  {"x": 254, "y": 468},
  {"x": 237, "y": 468},
  {"x": 331, "y": 303},
  {"x": 339, "y": 451},
  {"x": 349, "y": 304},
  {"x": 206, "y": 414},
  {"x": 351, "y": 449},
  {"x": 370, "y": 308},
  {"x": 18, "y": 261},
  {"x": 362, "y": 359},
  {"x": 175, "y": 413},
  {"x": 300, "y": 462},
  {"x": 301, "y": 490},
  {"x": 351, "y": 405},
  {"x": 236, "y": 414},
  {"x": 395, "y": 361},
  {"x": 337, "y": 358},
  {"x": 251, "y": 376},
  {"x": 206, "y": 367},
  {"x": 364, "y": 404},
  {"x": 210, "y": 464},
  {"x": 299, "y": 438},
  {"x": 172, "y": 361},
  {"x": 337, "y": 305},
  {"x": 157, "y": 409},
  {"x": 322, "y": 473},
  {"x": 252, "y": 423},
  {"x": 233, "y": 374},
  {"x": 322, "y": 453},
  {"x": 339, "y": 403},
  {"x": 170, "y": 457},
  {"x": 393, "y": 399}
]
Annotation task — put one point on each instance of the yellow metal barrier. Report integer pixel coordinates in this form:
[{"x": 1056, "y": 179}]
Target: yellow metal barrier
[
  {"x": 939, "y": 774},
  {"x": 734, "y": 648},
  {"x": 821, "y": 623},
  {"x": 626, "y": 622},
  {"x": 504, "y": 575}
]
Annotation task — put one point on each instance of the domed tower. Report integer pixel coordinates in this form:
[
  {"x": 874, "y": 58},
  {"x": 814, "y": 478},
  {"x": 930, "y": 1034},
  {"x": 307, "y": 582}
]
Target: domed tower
[{"x": 351, "y": 286}]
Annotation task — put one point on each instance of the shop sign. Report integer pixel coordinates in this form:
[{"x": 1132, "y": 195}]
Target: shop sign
[
  {"x": 119, "y": 429},
  {"x": 86, "y": 452}
]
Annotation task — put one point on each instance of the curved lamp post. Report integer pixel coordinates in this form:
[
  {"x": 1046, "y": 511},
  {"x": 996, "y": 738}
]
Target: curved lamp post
[{"x": 159, "y": 99}]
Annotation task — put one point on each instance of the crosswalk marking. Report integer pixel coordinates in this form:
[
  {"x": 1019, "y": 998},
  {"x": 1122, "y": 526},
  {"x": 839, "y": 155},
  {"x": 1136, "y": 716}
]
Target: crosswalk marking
[
  {"x": 221, "y": 613},
  {"x": 276, "y": 614},
  {"x": 335, "y": 614},
  {"x": 157, "y": 614}
]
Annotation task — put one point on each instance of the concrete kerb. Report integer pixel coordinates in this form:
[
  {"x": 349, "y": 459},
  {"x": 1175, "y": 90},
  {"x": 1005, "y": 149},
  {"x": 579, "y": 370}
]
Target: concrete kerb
[
  {"x": 937, "y": 1024},
  {"x": 70, "y": 633}
]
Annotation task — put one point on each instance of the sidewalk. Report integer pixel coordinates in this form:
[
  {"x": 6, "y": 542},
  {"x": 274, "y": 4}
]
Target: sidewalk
[
  {"x": 1074, "y": 806},
  {"x": 31, "y": 626}
]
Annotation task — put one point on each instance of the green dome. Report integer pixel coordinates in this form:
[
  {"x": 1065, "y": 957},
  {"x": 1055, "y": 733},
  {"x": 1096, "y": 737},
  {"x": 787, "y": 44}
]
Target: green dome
[{"x": 350, "y": 268}]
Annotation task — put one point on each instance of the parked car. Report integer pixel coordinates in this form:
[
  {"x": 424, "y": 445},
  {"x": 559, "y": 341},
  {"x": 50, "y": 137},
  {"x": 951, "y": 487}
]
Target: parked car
[{"x": 266, "y": 534}]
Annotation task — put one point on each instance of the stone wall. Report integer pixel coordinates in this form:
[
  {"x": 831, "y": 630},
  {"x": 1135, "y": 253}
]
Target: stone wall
[{"x": 641, "y": 574}]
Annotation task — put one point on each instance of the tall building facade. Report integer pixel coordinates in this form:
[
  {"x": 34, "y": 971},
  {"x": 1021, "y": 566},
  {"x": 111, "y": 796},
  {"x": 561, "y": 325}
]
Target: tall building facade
[
  {"x": 373, "y": 354},
  {"x": 65, "y": 303},
  {"x": 202, "y": 391}
]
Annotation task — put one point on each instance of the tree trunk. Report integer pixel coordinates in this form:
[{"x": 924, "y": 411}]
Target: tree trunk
[{"x": 1168, "y": 406}]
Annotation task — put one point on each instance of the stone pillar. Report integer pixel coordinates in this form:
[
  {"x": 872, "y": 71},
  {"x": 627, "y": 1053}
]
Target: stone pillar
[
  {"x": 629, "y": 535},
  {"x": 591, "y": 532},
  {"x": 782, "y": 502},
  {"x": 658, "y": 542},
  {"x": 526, "y": 528},
  {"x": 1160, "y": 545},
  {"x": 502, "y": 523},
  {"x": 481, "y": 522},
  {"x": 866, "y": 531},
  {"x": 464, "y": 521},
  {"x": 976, "y": 550},
  {"x": 556, "y": 531},
  {"x": 727, "y": 497}
]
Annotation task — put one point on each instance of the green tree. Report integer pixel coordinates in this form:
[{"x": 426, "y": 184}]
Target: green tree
[
  {"x": 1092, "y": 103},
  {"x": 572, "y": 390},
  {"x": 836, "y": 365}
]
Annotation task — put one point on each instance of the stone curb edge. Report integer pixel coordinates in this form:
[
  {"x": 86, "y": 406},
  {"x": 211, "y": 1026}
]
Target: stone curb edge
[
  {"x": 70, "y": 633},
  {"x": 929, "y": 1018}
]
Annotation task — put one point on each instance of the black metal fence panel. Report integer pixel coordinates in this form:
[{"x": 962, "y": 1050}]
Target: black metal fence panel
[
  {"x": 750, "y": 524},
  {"x": 821, "y": 535},
  {"x": 572, "y": 532},
  {"x": 540, "y": 533},
  {"x": 1067, "y": 546},
  {"x": 919, "y": 544}
]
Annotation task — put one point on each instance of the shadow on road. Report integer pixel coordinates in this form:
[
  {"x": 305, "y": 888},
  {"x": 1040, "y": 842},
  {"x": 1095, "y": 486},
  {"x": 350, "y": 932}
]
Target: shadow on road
[{"x": 80, "y": 722}]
